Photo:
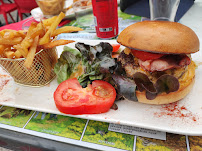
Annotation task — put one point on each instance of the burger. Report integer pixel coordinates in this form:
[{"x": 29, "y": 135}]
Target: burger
[{"x": 157, "y": 56}]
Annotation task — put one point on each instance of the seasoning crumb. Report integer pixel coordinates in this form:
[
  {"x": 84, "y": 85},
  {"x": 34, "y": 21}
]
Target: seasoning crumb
[{"x": 174, "y": 110}]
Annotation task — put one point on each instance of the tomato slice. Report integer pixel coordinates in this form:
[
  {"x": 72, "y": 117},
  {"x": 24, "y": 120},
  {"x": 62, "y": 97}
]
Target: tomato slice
[
  {"x": 71, "y": 98},
  {"x": 115, "y": 55},
  {"x": 115, "y": 47},
  {"x": 142, "y": 55}
]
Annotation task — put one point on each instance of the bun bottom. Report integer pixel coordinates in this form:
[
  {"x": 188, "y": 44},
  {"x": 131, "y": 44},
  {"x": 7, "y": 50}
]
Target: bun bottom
[{"x": 166, "y": 98}]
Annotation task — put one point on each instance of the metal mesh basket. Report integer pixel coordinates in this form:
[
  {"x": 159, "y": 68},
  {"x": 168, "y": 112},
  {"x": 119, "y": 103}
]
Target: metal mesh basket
[{"x": 40, "y": 73}]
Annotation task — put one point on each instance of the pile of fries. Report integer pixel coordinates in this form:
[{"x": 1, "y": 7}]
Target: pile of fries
[
  {"x": 51, "y": 7},
  {"x": 30, "y": 55},
  {"x": 24, "y": 44}
]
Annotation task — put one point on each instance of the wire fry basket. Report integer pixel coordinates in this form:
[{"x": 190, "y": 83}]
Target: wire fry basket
[{"x": 41, "y": 72}]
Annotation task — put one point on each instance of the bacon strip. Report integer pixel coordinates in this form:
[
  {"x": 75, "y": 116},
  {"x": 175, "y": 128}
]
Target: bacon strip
[{"x": 166, "y": 62}]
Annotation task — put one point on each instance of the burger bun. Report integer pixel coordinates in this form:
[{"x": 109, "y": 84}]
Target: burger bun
[{"x": 160, "y": 37}]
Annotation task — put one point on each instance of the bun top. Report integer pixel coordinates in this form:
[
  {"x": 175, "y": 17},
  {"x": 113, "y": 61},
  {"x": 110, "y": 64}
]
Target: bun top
[{"x": 160, "y": 37}]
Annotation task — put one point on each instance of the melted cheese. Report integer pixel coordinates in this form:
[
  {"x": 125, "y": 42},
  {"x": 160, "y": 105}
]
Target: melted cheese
[
  {"x": 78, "y": 71},
  {"x": 188, "y": 76}
]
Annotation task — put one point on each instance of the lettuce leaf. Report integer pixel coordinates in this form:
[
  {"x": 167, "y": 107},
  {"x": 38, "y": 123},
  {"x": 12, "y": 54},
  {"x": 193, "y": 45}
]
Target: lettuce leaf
[
  {"x": 143, "y": 82},
  {"x": 67, "y": 63},
  {"x": 97, "y": 62},
  {"x": 165, "y": 83},
  {"x": 125, "y": 87}
]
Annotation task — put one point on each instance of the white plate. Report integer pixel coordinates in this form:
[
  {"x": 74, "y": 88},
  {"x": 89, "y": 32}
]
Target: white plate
[
  {"x": 38, "y": 14},
  {"x": 128, "y": 113}
]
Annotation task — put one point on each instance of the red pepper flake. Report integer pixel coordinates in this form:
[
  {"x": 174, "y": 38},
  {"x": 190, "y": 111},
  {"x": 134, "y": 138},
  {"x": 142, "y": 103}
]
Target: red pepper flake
[
  {"x": 174, "y": 110},
  {"x": 3, "y": 83}
]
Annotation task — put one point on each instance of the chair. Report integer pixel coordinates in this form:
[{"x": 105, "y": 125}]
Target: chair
[
  {"x": 7, "y": 8},
  {"x": 25, "y": 6}
]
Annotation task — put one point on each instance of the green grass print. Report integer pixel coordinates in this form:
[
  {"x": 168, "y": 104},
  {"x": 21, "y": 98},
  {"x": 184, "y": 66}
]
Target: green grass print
[
  {"x": 128, "y": 16},
  {"x": 149, "y": 146},
  {"x": 64, "y": 126},
  {"x": 121, "y": 15},
  {"x": 15, "y": 117},
  {"x": 97, "y": 132},
  {"x": 173, "y": 142}
]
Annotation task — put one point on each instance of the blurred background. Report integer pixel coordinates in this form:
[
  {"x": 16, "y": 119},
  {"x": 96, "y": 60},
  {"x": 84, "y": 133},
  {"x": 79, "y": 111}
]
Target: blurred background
[{"x": 10, "y": 6}]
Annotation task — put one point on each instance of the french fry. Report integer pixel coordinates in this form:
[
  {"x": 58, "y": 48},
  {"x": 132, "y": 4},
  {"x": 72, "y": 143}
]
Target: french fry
[
  {"x": 2, "y": 32},
  {"x": 57, "y": 43},
  {"x": 41, "y": 25},
  {"x": 8, "y": 33},
  {"x": 31, "y": 27},
  {"x": 65, "y": 29},
  {"x": 13, "y": 41},
  {"x": 46, "y": 38},
  {"x": 20, "y": 33},
  {"x": 9, "y": 54},
  {"x": 49, "y": 21},
  {"x": 38, "y": 39},
  {"x": 7, "y": 48},
  {"x": 17, "y": 54},
  {"x": 3, "y": 48},
  {"x": 17, "y": 44},
  {"x": 31, "y": 54},
  {"x": 30, "y": 30},
  {"x": 39, "y": 30},
  {"x": 36, "y": 32},
  {"x": 22, "y": 49}
]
